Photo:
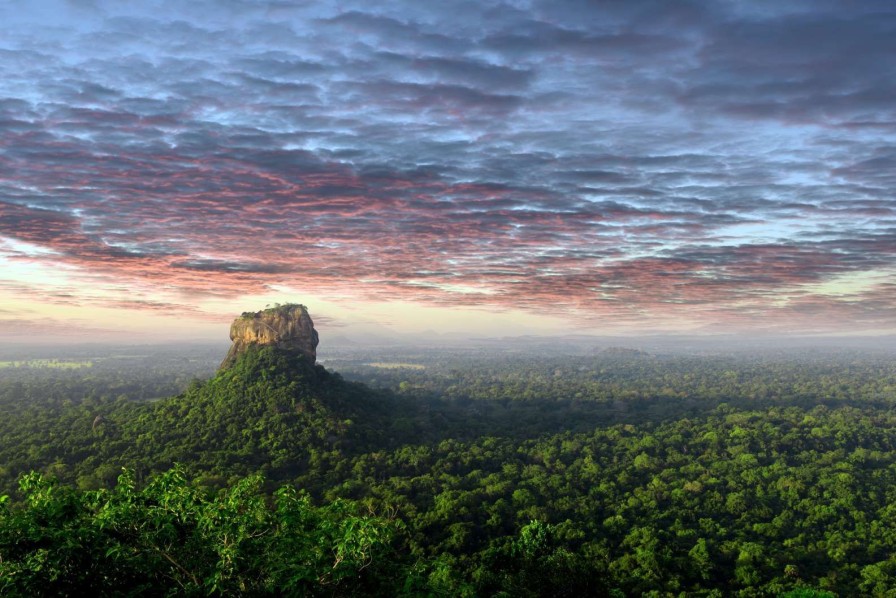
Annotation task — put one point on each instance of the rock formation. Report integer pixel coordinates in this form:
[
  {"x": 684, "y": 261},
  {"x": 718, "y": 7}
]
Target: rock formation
[{"x": 284, "y": 326}]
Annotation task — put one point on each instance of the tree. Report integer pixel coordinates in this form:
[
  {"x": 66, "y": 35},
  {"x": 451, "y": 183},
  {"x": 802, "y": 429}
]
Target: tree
[{"x": 174, "y": 536}]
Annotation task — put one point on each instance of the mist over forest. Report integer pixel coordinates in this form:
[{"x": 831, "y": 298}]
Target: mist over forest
[{"x": 536, "y": 467}]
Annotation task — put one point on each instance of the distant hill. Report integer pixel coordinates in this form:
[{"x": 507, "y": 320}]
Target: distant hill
[{"x": 624, "y": 352}]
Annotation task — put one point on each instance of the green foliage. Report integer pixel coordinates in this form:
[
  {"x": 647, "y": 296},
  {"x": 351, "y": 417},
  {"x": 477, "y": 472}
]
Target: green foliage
[
  {"x": 807, "y": 593},
  {"x": 277, "y": 308},
  {"x": 173, "y": 537},
  {"x": 601, "y": 475},
  {"x": 538, "y": 563}
]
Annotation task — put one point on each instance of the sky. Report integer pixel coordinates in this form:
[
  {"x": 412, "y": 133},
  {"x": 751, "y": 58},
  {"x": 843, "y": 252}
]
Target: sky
[{"x": 482, "y": 168}]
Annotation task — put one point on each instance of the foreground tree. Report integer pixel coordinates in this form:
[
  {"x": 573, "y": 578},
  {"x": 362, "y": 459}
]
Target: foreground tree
[{"x": 173, "y": 537}]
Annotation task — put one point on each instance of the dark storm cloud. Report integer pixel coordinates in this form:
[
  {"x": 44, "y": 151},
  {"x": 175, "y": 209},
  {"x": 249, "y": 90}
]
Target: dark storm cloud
[{"x": 617, "y": 158}]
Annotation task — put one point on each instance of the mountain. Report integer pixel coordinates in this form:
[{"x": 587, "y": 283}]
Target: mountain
[
  {"x": 269, "y": 415},
  {"x": 287, "y": 327},
  {"x": 271, "y": 410}
]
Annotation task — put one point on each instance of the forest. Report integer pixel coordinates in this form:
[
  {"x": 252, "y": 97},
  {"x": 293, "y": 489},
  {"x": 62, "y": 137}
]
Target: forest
[{"x": 610, "y": 472}]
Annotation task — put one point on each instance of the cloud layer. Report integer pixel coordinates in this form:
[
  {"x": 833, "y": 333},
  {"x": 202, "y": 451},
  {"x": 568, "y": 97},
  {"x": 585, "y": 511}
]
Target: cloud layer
[{"x": 711, "y": 165}]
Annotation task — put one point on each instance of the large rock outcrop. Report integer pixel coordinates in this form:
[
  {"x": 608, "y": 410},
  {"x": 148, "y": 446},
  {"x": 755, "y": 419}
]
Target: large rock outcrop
[{"x": 285, "y": 326}]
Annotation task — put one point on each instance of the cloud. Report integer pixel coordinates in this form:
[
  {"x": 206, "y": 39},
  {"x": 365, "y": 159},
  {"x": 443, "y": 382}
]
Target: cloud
[{"x": 632, "y": 162}]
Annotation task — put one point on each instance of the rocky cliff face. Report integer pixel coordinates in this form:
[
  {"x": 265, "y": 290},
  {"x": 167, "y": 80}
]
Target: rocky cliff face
[{"x": 286, "y": 327}]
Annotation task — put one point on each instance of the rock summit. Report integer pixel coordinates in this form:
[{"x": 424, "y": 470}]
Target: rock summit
[{"x": 286, "y": 327}]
